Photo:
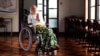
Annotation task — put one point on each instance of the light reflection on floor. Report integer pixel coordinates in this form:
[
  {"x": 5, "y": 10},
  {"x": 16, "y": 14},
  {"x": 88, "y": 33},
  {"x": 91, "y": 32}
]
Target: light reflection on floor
[{"x": 9, "y": 46}]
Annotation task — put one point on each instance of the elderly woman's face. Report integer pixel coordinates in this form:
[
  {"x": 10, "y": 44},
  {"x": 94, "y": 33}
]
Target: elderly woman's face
[{"x": 34, "y": 9}]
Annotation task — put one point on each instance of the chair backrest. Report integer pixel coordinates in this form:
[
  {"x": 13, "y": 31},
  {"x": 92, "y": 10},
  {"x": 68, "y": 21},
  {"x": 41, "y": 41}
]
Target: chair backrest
[
  {"x": 1, "y": 19},
  {"x": 2, "y": 24}
]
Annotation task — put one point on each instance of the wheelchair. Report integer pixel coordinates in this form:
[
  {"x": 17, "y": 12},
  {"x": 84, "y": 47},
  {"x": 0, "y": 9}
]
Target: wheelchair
[{"x": 27, "y": 36}]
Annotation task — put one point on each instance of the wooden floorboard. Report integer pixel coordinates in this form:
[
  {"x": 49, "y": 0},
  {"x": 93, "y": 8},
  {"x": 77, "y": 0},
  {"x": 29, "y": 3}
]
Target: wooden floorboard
[{"x": 9, "y": 46}]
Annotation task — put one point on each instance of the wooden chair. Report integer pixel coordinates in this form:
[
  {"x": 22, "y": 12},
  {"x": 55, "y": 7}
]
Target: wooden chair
[{"x": 3, "y": 25}]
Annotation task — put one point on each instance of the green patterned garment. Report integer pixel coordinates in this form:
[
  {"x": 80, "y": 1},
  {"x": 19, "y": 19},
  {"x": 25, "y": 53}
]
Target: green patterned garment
[{"x": 48, "y": 40}]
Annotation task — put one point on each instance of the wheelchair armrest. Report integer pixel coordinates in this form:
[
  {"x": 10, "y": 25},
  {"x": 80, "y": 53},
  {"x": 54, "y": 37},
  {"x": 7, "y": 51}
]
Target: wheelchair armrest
[{"x": 29, "y": 24}]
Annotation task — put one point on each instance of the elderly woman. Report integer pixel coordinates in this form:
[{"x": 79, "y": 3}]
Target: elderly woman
[
  {"x": 34, "y": 18},
  {"x": 35, "y": 21}
]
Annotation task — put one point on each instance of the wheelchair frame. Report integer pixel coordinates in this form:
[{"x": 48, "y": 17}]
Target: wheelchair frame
[{"x": 27, "y": 34}]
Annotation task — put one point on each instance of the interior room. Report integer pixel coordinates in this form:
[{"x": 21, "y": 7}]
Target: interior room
[{"x": 70, "y": 28}]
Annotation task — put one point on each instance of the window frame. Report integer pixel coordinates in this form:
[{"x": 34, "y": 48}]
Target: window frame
[{"x": 97, "y": 10}]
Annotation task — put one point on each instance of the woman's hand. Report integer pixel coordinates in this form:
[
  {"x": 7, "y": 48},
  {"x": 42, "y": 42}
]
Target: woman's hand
[{"x": 37, "y": 17}]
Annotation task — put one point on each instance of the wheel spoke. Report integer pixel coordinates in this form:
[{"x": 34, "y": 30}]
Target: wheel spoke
[{"x": 25, "y": 39}]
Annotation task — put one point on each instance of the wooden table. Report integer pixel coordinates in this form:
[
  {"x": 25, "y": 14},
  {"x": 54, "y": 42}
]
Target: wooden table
[{"x": 8, "y": 21}]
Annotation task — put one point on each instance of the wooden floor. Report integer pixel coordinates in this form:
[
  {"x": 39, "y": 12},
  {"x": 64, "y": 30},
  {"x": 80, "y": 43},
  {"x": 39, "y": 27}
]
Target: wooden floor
[{"x": 9, "y": 46}]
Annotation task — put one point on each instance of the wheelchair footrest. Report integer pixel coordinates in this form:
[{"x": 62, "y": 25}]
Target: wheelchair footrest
[{"x": 54, "y": 52}]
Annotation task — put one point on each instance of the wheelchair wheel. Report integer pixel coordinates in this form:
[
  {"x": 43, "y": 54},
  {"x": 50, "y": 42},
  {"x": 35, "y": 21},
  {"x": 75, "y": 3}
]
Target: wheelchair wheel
[{"x": 25, "y": 39}]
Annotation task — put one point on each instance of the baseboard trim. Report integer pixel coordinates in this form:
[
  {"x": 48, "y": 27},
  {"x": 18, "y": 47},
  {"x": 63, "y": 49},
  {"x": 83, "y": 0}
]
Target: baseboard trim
[
  {"x": 9, "y": 34},
  {"x": 17, "y": 33}
]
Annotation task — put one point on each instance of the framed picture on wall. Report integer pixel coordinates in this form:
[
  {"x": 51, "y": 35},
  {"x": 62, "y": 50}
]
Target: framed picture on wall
[{"x": 8, "y": 6}]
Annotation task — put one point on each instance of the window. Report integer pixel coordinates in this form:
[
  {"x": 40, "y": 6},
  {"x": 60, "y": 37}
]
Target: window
[
  {"x": 92, "y": 2},
  {"x": 48, "y": 8},
  {"x": 92, "y": 9},
  {"x": 98, "y": 9},
  {"x": 92, "y": 13},
  {"x": 39, "y": 6},
  {"x": 52, "y": 3}
]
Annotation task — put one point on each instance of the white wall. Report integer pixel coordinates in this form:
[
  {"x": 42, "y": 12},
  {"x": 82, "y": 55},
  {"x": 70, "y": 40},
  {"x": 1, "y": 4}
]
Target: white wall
[
  {"x": 68, "y": 8},
  {"x": 15, "y": 19}
]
